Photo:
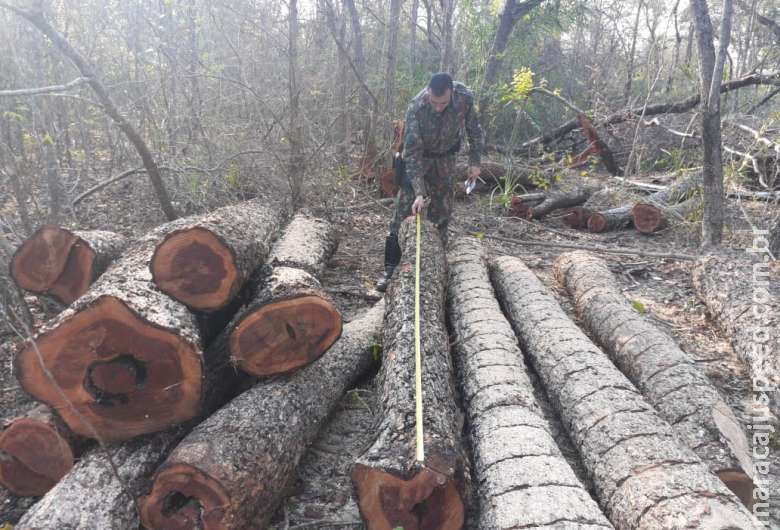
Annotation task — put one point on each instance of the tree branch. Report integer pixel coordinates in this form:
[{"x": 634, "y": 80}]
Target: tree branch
[{"x": 44, "y": 90}]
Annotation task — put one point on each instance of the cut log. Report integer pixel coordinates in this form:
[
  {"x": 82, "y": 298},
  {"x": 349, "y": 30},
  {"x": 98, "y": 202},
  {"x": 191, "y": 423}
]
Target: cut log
[
  {"x": 291, "y": 321},
  {"x": 560, "y": 199},
  {"x": 743, "y": 298},
  {"x": 36, "y": 451},
  {"x": 649, "y": 218},
  {"x": 608, "y": 220},
  {"x": 519, "y": 470},
  {"x": 666, "y": 375},
  {"x": 205, "y": 261},
  {"x": 394, "y": 490},
  {"x": 643, "y": 476},
  {"x": 62, "y": 263},
  {"x": 520, "y": 204},
  {"x": 233, "y": 470},
  {"x": 578, "y": 218},
  {"x": 13, "y": 507}
]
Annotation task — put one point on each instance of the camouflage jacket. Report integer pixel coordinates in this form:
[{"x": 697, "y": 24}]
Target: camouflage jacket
[{"x": 429, "y": 132}]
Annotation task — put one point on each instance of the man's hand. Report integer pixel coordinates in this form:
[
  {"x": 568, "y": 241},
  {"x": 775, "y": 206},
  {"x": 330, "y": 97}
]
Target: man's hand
[{"x": 417, "y": 206}]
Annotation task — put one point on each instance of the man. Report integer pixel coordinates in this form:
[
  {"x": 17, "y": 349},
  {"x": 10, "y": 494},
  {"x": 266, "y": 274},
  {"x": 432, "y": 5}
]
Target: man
[{"x": 434, "y": 122}]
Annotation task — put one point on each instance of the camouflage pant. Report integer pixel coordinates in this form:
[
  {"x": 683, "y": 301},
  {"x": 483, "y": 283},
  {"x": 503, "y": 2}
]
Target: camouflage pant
[{"x": 439, "y": 181}]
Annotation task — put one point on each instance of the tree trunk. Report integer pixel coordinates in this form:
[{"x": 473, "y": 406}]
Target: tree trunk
[
  {"x": 774, "y": 240},
  {"x": 649, "y": 218},
  {"x": 413, "y": 36},
  {"x": 391, "y": 58},
  {"x": 667, "y": 376},
  {"x": 560, "y": 199},
  {"x": 235, "y": 481},
  {"x": 518, "y": 468},
  {"x": 297, "y": 162},
  {"x": 608, "y": 220},
  {"x": 21, "y": 201},
  {"x": 446, "y": 60},
  {"x": 205, "y": 261},
  {"x": 63, "y": 264},
  {"x": 631, "y": 55},
  {"x": 290, "y": 322},
  {"x": 644, "y": 478},
  {"x": 394, "y": 488}
]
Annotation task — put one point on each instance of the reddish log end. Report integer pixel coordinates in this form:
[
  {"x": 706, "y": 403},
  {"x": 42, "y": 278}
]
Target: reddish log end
[
  {"x": 33, "y": 457},
  {"x": 197, "y": 268},
  {"x": 387, "y": 183},
  {"x": 427, "y": 501},
  {"x": 185, "y": 498},
  {"x": 578, "y": 218},
  {"x": 284, "y": 335},
  {"x": 56, "y": 262},
  {"x": 124, "y": 375},
  {"x": 597, "y": 223},
  {"x": 519, "y": 208},
  {"x": 740, "y": 483},
  {"x": 647, "y": 218}
]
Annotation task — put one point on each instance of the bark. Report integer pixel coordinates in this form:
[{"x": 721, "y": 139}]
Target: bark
[
  {"x": 631, "y": 55},
  {"x": 205, "y": 262},
  {"x": 394, "y": 489},
  {"x": 519, "y": 470},
  {"x": 296, "y": 161},
  {"x": 446, "y": 62},
  {"x": 667, "y": 376},
  {"x": 774, "y": 240},
  {"x": 649, "y": 218},
  {"x": 391, "y": 58},
  {"x": 643, "y": 476},
  {"x": 608, "y": 220},
  {"x": 61, "y": 263},
  {"x": 561, "y": 199},
  {"x": 13, "y": 507},
  {"x": 596, "y": 146},
  {"x": 743, "y": 299},
  {"x": 578, "y": 218},
  {"x": 290, "y": 321}
]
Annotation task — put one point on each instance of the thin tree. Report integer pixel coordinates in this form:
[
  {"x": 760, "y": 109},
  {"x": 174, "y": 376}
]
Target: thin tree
[
  {"x": 391, "y": 58},
  {"x": 297, "y": 160}
]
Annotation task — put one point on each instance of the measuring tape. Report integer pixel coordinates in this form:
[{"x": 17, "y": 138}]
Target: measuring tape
[{"x": 417, "y": 354}]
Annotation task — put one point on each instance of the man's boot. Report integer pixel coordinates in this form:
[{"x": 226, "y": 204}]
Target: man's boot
[{"x": 392, "y": 259}]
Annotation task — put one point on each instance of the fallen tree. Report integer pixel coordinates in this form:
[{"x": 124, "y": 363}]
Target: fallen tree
[
  {"x": 394, "y": 489},
  {"x": 62, "y": 263},
  {"x": 643, "y": 476},
  {"x": 667, "y": 376},
  {"x": 560, "y": 199},
  {"x": 518, "y": 469}
]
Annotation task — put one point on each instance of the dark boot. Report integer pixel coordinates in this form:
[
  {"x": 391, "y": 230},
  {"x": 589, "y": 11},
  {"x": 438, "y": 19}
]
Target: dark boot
[{"x": 392, "y": 259}]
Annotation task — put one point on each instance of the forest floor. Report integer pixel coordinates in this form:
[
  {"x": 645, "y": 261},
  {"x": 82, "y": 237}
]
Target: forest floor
[{"x": 323, "y": 496}]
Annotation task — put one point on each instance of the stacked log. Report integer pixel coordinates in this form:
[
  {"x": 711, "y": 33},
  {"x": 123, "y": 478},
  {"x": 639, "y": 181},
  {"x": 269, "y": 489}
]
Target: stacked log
[
  {"x": 649, "y": 218},
  {"x": 643, "y": 476},
  {"x": 666, "y": 375},
  {"x": 742, "y": 296},
  {"x": 394, "y": 489},
  {"x": 61, "y": 263},
  {"x": 291, "y": 321},
  {"x": 234, "y": 469},
  {"x": 518, "y": 468}
]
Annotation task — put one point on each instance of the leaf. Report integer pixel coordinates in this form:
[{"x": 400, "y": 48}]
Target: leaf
[
  {"x": 376, "y": 352},
  {"x": 479, "y": 235},
  {"x": 639, "y": 306}
]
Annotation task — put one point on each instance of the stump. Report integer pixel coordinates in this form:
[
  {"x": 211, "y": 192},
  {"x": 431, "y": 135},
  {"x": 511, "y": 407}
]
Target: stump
[
  {"x": 234, "y": 469},
  {"x": 206, "y": 260},
  {"x": 518, "y": 468},
  {"x": 62, "y": 263},
  {"x": 393, "y": 489},
  {"x": 643, "y": 476}
]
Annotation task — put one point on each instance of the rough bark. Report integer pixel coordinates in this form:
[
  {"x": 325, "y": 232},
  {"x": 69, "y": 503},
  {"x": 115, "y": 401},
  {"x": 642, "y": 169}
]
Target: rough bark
[
  {"x": 236, "y": 467},
  {"x": 667, "y": 376},
  {"x": 743, "y": 298},
  {"x": 608, "y": 220},
  {"x": 518, "y": 468},
  {"x": 296, "y": 162},
  {"x": 393, "y": 488},
  {"x": 291, "y": 321},
  {"x": 578, "y": 218},
  {"x": 13, "y": 507},
  {"x": 644, "y": 477},
  {"x": 61, "y": 263},
  {"x": 204, "y": 263},
  {"x": 774, "y": 240},
  {"x": 648, "y": 218},
  {"x": 560, "y": 199}
]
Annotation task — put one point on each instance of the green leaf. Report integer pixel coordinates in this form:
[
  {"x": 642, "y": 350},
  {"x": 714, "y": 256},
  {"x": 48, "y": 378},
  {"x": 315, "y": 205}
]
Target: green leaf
[
  {"x": 639, "y": 306},
  {"x": 479, "y": 235},
  {"x": 376, "y": 352}
]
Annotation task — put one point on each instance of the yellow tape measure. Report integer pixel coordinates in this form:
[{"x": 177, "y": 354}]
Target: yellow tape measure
[{"x": 417, "y": 354}]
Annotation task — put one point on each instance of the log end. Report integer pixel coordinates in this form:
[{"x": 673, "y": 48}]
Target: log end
[
  {"x": 519, "y": 208},
  {"x": 740, "y": 483},
  {"x": 197, "y": 268},
  {"x": 597, "y": 223},
  {"x": 428, "y": 501},
  {"x": 184, "y": 498},
  {"x": 284, "y": 335},
  {"x": 577, "y": 218},
  {"x": 123, "y": 375},
  {"x": 647, "y": 217},
  {"x": 33, "y": 457}
]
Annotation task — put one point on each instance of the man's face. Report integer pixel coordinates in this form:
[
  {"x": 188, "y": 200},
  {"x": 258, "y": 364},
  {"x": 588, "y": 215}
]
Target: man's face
[{"x": 439, "y": 103}]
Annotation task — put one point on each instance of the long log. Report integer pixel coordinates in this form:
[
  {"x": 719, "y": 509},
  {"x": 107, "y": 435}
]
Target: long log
[
  {"x": 643, "y": 476},
  {"x": 13, "y": 507},
  {"x": 61, "y": 263},
  {"x": 291, "y": 321},
  {"x": 561, "y": 199},
  {"x": 36, "y": 451},
  {"x": 742, "y": 296},
  {"x": 235, "y": 468},
  {"x": 394, "y": 489},
  {"x": 204, "y": 262},
  {"x": 649, "y": 218},
  {"x": 667, "y": 376},
  {"x": 519, "y": 471}
]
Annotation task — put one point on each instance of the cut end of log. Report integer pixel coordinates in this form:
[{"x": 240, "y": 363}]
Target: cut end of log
[
  {"x": 33, "y": 457},
  {"x": 185, "y": 498},
  {"x": 597, "y": 223},
  {"x": 578, "y": 218},
  {"x": 519, "y": 208},
  {"x": 740, "y": 483},
  {"x": 284, "y": 335},
  {"x": 56, "y": 262},
  {"x": 647, "y": 217},
  {"x": 123, "y": 375},
  {"x": 195, "y": 267},
  {"x": 427, "y": 501}
]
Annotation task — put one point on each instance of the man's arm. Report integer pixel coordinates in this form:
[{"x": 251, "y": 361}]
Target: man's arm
[{"x": 413, "y": 153}]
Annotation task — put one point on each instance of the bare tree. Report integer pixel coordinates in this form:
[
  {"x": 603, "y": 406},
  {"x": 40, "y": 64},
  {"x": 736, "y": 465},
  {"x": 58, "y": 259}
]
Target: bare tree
[
  {"x": 391, "y": 58},
  {"x": 631, "y": 55},
  {"x": 297, "y": 161},
  {"x": 448, "y": 12}
]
